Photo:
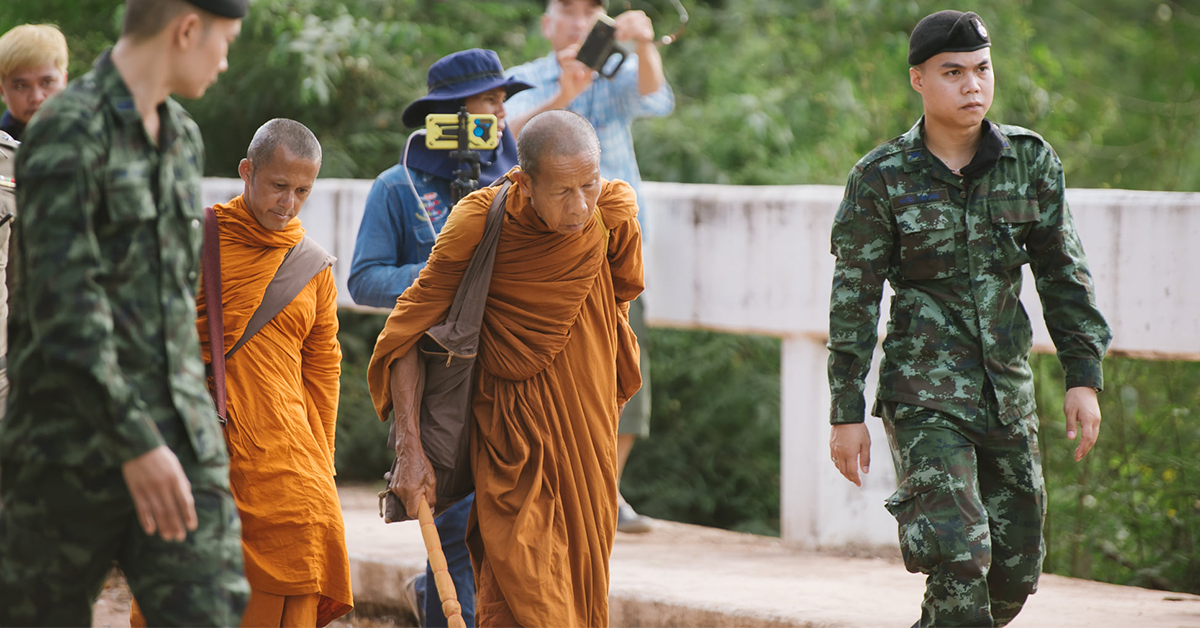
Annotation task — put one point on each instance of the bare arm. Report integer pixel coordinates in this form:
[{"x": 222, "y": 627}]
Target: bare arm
[
  {"x": 575, "y": 78},
  {"x": 636, "y": 26},
  {"x": 412, "y": 476}
]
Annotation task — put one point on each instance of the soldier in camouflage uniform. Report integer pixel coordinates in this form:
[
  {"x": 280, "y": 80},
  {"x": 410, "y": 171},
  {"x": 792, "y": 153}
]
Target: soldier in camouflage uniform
[
  {"x": 111, "y": 449},
  {"x": 948, "y": 213}
]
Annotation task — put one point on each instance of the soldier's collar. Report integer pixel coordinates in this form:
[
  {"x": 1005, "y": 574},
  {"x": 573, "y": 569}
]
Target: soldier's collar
[
  {"x": 117, "y": 91},
  {"x": 916, "y": 156},
  {"x": 114, "y": 87},
  {"x": 991, "y": 149}
]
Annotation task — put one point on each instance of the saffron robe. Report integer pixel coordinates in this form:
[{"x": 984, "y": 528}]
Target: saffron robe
[
  {"x": 557, "y": 359},
  {"x": 282, "y": 388}
]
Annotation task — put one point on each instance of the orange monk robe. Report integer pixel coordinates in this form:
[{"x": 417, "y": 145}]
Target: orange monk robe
[
  {"x": 556, "y": 359},
  {"x": 282, "y": 389}
]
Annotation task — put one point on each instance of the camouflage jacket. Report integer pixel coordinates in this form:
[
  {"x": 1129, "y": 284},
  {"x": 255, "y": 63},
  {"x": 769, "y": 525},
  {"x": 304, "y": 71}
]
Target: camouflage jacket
[
  {"x": 103, "y": 351},
  {"x": 952, "y": 248}
]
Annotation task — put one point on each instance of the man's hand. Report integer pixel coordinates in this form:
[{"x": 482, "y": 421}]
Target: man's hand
[
  {"x": 850, "y": 448},
  {"x": 1083, "y": 412},
  {"x": 413, "y": 478},
  {"x": 633, "y": 26},
  {"x": 161, "y": 493},
  {"x": 576, "y": 77}
]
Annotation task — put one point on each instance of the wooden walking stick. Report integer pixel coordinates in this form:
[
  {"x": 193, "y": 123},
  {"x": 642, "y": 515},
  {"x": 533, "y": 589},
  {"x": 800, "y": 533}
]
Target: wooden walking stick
[{"x": 441, "y": 572}]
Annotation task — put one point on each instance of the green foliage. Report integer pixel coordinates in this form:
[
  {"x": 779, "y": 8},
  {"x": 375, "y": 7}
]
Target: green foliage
[
  {"x": 1129, "y": 512},
  {"x": 362, "y": 452},
  {"x": 712, "y": 457},
  {"x": 768, "y": 91},
  {"x": 773, "y": 92}
]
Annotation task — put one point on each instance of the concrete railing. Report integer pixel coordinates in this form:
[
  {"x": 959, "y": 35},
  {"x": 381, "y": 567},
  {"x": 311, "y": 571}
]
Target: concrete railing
[{"x": 756, "y": 259}]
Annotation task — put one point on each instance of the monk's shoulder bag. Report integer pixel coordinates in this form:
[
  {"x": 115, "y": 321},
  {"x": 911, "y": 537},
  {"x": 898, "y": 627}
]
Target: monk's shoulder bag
[
  {"x": 300, "y": 264},
  {"x": 447, "y": 354}
]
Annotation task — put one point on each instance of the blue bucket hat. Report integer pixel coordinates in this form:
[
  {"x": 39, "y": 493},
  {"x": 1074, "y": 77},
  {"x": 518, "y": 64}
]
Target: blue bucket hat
[{"x": 458, "y": 75}]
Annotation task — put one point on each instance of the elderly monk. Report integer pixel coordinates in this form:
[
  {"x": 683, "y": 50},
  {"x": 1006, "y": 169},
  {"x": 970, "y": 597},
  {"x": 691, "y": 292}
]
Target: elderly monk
[
  {"x": 282, "y": 388},
  {"x": 557, "y": 360}
]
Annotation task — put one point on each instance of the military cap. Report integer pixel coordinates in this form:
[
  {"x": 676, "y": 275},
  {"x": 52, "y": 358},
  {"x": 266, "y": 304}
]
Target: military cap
[
  {"x": 946, "y": 31},
  {"x": 236, "y": 9}
]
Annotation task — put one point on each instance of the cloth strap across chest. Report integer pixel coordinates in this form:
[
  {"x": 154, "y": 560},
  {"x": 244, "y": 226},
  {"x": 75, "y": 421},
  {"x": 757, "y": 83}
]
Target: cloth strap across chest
[{"x": 300, "y": 264}]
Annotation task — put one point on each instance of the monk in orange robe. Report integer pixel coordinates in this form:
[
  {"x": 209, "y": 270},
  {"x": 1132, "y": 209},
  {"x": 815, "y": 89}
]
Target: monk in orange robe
[
  {"x": 282, "y": 388},
  {"x": 557, "y": 360}
]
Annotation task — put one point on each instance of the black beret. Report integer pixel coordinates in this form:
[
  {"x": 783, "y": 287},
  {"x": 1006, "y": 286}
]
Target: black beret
[
  {"x": 225, "y": 8},
  {"x": 946, "y": 31}
]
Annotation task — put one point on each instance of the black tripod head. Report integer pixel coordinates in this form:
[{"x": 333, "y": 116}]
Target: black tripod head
[{"x": 466, "y": 177}]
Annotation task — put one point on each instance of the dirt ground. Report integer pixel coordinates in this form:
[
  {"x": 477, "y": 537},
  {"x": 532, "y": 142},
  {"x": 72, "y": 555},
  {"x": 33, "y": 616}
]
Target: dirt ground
[{"x": 112, "y": 610}]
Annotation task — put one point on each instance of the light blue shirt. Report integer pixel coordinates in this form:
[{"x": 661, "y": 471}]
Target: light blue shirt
[{"x": 611, "y": 105}]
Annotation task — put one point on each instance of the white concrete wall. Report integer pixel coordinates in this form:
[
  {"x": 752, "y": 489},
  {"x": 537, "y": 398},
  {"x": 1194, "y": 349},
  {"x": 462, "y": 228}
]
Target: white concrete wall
[{"x": 756, "y": 259}]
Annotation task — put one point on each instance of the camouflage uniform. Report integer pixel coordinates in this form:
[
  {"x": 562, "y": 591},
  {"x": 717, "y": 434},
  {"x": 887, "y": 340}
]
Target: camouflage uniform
[
  {"x": 106, "y": 366},
  {"x": 955, "y": 386}
]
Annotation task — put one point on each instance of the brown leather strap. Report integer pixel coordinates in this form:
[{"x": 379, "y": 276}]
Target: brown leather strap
[{"x": 210, "y": 262}]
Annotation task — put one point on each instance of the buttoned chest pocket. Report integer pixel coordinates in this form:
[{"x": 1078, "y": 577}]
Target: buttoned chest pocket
[
  {"x": 128, "y": 198},
  {"x": 927, "y": 241},
  {"x": 1012, "y": 220},
  {"x": 128, "y": 231}
]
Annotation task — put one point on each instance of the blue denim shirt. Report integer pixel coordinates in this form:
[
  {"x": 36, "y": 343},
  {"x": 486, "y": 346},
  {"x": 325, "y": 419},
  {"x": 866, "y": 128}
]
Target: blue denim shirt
[{"x": 395, "y": 237}]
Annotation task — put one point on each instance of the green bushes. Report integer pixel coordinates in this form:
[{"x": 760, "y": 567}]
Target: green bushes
[
  {"x": 712, "y": 457},
  {"x": 1129, "y": 512},
  {"x": 362, "y": 453}
]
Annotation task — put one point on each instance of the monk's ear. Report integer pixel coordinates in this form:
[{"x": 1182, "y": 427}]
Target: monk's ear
[
  {"x": 523, "y": 181},
  {"x": 246, "y": 170}
]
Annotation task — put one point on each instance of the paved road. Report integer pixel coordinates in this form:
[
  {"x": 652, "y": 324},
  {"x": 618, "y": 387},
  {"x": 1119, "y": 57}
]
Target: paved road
[{"x": 684, "y": 575}]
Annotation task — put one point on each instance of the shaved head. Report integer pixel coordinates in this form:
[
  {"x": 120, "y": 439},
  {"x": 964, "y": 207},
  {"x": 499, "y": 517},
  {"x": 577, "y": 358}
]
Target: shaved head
[
  {"x": 282, "y": 132},
  {"x": 552, "y": 134}
]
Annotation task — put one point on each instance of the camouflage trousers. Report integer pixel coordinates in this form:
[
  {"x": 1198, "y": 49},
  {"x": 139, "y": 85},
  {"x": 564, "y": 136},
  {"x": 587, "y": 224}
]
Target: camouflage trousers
[
  {"x": 970, "y": 505},
  {"x": 61, "y": 528}
]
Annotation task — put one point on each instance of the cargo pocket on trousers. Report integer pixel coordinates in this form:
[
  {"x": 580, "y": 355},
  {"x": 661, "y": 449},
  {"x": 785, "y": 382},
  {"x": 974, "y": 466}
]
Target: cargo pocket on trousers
[{"x": 931, "y": 527}]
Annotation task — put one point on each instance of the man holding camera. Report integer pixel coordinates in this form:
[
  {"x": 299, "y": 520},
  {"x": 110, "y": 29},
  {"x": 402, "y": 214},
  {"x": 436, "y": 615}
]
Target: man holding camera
[
  {"x": 638, "y": 89},
  {"x": 948, "y": 214}
]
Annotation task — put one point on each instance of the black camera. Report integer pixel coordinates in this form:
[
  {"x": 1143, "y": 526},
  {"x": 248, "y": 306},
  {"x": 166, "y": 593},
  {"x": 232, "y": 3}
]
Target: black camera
[{"x": 601, "y": 46}]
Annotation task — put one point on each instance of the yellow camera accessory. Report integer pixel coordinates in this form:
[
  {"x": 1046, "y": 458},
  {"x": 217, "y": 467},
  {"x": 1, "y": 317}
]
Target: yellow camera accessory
[{"x": 441, "y": 131}]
